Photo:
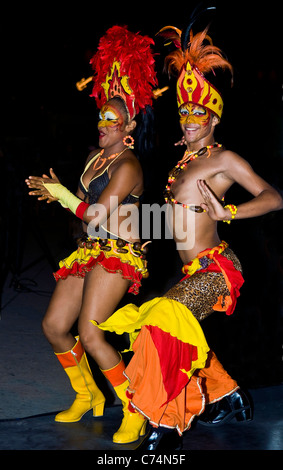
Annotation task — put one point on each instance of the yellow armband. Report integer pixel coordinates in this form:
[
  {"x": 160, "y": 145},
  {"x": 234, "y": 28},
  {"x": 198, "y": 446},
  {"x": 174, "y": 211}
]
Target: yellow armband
[{"x": 67, "y": 199}]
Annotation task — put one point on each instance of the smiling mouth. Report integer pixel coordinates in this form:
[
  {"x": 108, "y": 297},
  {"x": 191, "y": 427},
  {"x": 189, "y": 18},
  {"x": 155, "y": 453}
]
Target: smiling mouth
[
  {"x": 101, "y": 134},
  {"x": 189, "y": 129}
]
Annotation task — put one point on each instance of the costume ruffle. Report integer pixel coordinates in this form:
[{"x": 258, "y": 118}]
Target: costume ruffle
[
  {"x": 175, "y": 334},
  {"x": 173, "y": 374},
  {"x": 149, "y": 387},
  {"x": 130, "y": 264},
  {"x": 150, "y": 393},
  {"x": 233, "y": 277}
]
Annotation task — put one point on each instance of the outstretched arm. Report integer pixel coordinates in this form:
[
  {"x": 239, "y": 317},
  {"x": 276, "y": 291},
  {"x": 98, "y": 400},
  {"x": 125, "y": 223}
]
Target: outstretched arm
[{"x": 123, "y": 181}]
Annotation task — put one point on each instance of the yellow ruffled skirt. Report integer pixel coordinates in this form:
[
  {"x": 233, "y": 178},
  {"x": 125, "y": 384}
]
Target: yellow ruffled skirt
[{"x": 127, "y": 261}]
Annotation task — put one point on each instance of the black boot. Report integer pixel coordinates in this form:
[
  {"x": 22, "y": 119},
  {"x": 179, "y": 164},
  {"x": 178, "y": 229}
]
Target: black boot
[
  {"x": 160, "y": 440},
  {"x": 235, "y": 405}
]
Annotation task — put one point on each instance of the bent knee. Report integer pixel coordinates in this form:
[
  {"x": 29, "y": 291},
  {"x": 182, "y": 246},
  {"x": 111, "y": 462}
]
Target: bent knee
[
  {"x": 53, "y": 329},
  {"x": 92, "y": 338}
]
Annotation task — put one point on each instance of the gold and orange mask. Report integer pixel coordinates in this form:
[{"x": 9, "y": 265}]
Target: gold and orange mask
[
  {"x": 194, "y": 114},
  {"x": 110, "y": 116}
]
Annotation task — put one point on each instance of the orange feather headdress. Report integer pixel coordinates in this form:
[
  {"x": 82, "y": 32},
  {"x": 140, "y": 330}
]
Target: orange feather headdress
[{"x": 194, "y": 57}]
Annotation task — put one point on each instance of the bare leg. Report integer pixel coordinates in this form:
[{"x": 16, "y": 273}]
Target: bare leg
[
  {"x": 62, "y": 312},
  {"x": 93, "y": 298},
  {"x": 101, "y": 295}
]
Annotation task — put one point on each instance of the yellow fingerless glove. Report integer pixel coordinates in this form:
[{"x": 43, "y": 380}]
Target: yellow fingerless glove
[{"x": 67, "y": 199}]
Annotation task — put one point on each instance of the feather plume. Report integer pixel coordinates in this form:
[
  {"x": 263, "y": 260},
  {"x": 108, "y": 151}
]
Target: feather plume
[
  {"x": 206, "y": 57},
  {"x": 172, "y": 34},
  {"x": 134, "y": 53},
  {"x": 200, "y": 52},
  {"x": 194, "y": 57},
  {"x": 197, "y": 12}
]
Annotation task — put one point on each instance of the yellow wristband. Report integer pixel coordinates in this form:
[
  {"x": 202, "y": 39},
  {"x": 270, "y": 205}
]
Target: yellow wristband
[
  {"x": 233, "y": 209},
  {"x": 67, "y": 199}
]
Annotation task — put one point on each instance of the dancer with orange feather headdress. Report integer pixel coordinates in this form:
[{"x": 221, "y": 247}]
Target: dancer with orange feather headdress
[{"x": 173, "y": 374}]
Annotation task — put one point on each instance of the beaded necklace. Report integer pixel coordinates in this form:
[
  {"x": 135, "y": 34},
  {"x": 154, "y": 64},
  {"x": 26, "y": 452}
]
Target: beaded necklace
[
  {"x": 181, "y": 165},
  {"x": 100, "y": 161}
]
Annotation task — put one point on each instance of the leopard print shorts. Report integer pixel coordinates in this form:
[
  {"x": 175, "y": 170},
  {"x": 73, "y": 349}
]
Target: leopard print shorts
[{"x": 200, "y": 292}]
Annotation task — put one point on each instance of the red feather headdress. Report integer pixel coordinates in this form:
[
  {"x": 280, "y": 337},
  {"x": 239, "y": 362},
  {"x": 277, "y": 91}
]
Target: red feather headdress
[
  {"x": 192, "y": 60},
  {"x": 124, "y": 66}
]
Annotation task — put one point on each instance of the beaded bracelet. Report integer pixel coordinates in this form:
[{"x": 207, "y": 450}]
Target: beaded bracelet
[{"x": 233, "y": 209}]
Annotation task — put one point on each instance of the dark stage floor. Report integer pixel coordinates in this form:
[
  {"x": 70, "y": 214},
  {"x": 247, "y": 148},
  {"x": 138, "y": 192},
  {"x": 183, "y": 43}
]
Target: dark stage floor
[
  {"x": 41, "y": 432},
  {"x": 33, "y": 385}
]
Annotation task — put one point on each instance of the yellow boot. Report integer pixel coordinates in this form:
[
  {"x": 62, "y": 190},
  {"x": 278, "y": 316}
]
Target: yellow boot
[
  {"x": 133, "y": 424},
  {"x": 88, "y": 396}
]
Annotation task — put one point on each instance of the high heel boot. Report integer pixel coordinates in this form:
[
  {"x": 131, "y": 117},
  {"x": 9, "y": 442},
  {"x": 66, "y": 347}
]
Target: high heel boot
[
  {"x": 160, "y": 440},
  {"x": 236, "y": 405},
  {"x": 88, "y": 396},
  {"x": 133, "y": 424}
]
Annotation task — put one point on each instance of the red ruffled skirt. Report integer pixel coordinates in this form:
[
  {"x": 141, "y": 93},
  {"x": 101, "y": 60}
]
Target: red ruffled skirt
[{"x": 125, "y": 260}]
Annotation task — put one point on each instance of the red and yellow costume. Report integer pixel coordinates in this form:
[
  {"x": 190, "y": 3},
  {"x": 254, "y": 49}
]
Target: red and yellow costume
[
  {"x": 127, "y": 261},
  {"x": 172, "y": 374},
  {"x": 124, "y": 68}
]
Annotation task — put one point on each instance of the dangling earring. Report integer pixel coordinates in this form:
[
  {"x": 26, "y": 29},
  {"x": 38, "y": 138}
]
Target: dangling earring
[{"x": 129, "y": 141}]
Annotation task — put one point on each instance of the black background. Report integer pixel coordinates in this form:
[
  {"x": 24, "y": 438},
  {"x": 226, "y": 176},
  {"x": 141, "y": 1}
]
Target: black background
[{"x": 45, "y": 122}]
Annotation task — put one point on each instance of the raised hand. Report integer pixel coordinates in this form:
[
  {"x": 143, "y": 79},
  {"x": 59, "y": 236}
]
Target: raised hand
[{"x": 36, "y": 183}]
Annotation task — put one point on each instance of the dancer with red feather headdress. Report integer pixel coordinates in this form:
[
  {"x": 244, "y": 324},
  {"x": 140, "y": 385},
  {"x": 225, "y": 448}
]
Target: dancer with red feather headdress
[{"x": 92, "y": 280}]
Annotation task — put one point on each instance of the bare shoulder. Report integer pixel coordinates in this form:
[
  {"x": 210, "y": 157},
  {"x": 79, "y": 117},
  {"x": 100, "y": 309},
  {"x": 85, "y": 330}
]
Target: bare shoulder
[
  {"x": 232, "y": 161},
  {"x": 127, "y": 166},
  {"x": 230, "y": 156},
  {"x": 127, "y": 162}
]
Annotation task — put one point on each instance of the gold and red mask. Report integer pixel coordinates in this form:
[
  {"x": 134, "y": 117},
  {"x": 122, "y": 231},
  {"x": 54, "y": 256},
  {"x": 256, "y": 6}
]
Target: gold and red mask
[
  {"x": 191, "y": 113},
  {"x": 110, "y": 116}
]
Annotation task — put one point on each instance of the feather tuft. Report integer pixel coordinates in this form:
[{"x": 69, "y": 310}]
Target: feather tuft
[
  {"x": 200, "y": 52},
  {"x": 134, "y": 53}
]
